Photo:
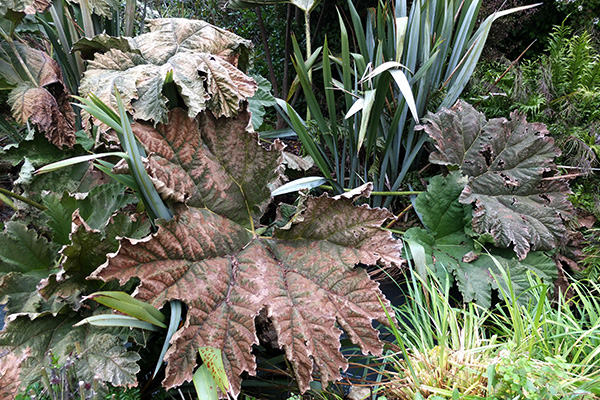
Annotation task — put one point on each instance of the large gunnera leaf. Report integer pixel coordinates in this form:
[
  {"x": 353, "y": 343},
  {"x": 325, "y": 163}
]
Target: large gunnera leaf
[
  {"x": 450, "y": 249},
  {"x": 202, "y": 59},
  {"x": 518, "y": 198},
  {"x": 210, "y": 256}
]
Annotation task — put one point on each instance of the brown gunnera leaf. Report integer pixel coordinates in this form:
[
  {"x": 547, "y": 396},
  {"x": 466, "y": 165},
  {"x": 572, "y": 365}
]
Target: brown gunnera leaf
[
  {"x": 512, "y": 178},
  {"x": 10, "y": 370},
  {"x": 211, "y": 256},
  {"x": 43, "y": 98}
]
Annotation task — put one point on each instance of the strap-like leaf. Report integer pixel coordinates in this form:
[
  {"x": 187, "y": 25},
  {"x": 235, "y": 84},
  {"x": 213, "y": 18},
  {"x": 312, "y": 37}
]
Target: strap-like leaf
[
  {"x": 204, "y": 383},
  {"x": 77, "y": 160},
  {"x": 307, "y": 182},
  {"x": 135, "y": 308},
  {"x": 174, "y": 320},
  {"x": 213, "y": 360},
  {"x": 117, "y": 320}
]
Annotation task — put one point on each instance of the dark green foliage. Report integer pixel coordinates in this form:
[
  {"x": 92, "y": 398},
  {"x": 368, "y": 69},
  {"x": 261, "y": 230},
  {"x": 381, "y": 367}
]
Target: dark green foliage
[
  {"x": 453, "y": 251},
  {"x": 512, "y": 33},
  {"x": 591, "y": 262},
  {"x": 581, "y": 13}
]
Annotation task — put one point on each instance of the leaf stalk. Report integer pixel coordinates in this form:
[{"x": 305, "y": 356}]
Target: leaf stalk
[
  {"x": 375, "y": 193},
  {"x": 23, "y": 199}
]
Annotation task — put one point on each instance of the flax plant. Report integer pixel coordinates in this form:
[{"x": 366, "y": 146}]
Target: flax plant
[{"x": 405, "y": 63}]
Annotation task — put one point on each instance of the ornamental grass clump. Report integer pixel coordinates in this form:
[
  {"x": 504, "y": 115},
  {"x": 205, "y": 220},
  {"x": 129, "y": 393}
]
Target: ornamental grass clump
[
  {"x": 445, "y": 349},
  {"x": 521, "y": 349}
]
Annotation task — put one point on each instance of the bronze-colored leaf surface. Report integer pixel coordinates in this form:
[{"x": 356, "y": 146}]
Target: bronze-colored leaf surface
[
  {"x": 226, "y": 276},
  {"x": 513, "y": 182},
  {"x": 228, "y": 86},
  {"x": 103, "y": 43},
  {"x": 210, "y": 257},
  {"x": 174, "y": 35},
  {"x": 40, "y": 107},
  {"x": 211, "y": 163},
  {"x": 454, "y": 131},
  {"x": 44, "y": 101},
  {"x": 10, "y": 371}
]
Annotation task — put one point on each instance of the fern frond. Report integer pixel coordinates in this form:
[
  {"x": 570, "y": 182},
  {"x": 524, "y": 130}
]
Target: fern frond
[{"x": 580, "y": 60}]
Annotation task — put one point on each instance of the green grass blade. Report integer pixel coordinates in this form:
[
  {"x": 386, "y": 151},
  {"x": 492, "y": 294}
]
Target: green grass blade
[
  {"x": 310, "y": 64},
  {"x": 413, "y": 42},
  {"x": 311, "y": 147},
  {"x": 346, "y": 69},
  {"x": 461, "y": 40},
  {"x": 311, "y": 100},
  {"x": 358, "y": 29},
  {"x": 284, "y": 133},
  {"x": 76, "y": 160},
  {"x": 366, "y": 107},
  {"x": 458, "y": 77},
  {"x": 118, "y": 320},
  {"x": 406, "y": 91},
  {"x": 100, "y": 114},
  {"x": 329, "y": 95},
  {"x": 133, "y": 307},
  {"x": 126, "y": 180},
  {"x": 152, "y": 199},
  {"x": 401, "y": 29},
  {"x": 424, "y": 69}
]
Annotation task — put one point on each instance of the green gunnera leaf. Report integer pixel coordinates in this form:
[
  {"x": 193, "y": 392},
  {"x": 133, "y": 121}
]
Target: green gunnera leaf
[{"x": 450, "y": 248}]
